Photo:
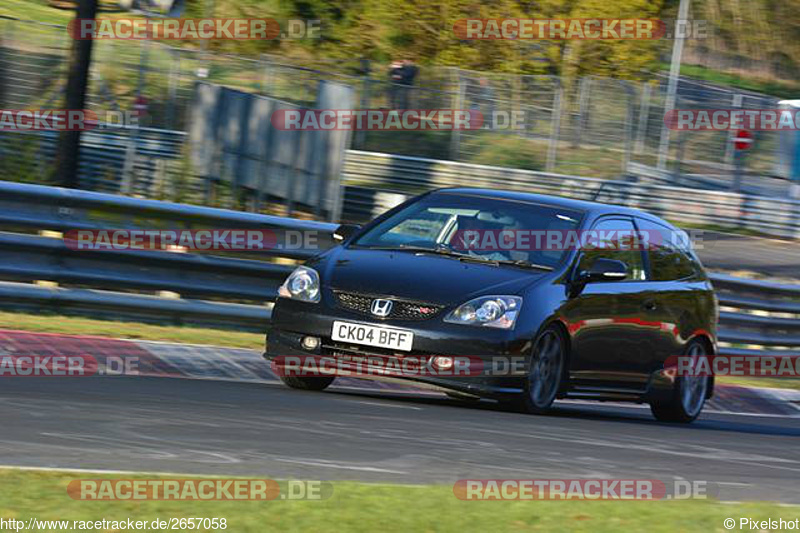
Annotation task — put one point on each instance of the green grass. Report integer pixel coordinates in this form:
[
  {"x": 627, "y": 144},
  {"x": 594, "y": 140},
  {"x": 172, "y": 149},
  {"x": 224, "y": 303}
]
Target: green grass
[
  {"x": 770, "y": 87},
  {"x": 41, "y": 11},
  {"x": 368, "y": 508},
  {"x": 129, "y": 330},
  {"x": 770, "y": 383}
]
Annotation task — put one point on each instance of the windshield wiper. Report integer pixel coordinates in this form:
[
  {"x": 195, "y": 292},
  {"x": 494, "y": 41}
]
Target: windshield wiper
[
  {"x": 525, "y": 264},
  {"x": 445, "y": 250},
  {"x": 438, "y": 249}
]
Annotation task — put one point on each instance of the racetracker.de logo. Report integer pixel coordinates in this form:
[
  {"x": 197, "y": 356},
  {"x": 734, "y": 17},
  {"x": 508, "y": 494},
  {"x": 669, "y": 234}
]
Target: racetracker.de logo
[
  {"x": 733, "y": 365},
  {"x": 198, "y": 489},
  {"x": 211, "y": 239},
  {"x": 191, "y": 29},
  {"x": 48, "y": 366},
  {"x": 732, "y": 119},
  {"x": 533, "y": 239},
  {"x": 560, "y": 29},
  {"x": 353, "y": 365},
  {"x": 376, "y": 119},
  {"x": 47, "y": 119},
  {"x": 581, "y": 489}
]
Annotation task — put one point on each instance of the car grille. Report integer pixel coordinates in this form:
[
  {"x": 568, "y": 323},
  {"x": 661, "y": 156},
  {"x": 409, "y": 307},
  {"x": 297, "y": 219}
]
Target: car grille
[{"x": 401, "y": 310}]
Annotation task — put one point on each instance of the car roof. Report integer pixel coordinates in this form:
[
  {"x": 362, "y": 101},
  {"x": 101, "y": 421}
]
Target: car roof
[{"x": 594, "y": 209}]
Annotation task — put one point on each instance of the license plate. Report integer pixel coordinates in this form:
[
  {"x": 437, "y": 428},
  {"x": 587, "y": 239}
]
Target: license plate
[{"x": 379, "y": 337}]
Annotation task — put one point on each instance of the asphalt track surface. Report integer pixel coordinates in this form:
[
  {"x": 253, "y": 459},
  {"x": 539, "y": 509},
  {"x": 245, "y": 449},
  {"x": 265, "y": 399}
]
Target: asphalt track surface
[
  {"x": 235, "y": 428},
  {"x": 265, "y": 429}
]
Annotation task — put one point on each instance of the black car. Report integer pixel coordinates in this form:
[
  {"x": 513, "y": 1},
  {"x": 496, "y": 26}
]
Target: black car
[{"x": 590, "y": 299}]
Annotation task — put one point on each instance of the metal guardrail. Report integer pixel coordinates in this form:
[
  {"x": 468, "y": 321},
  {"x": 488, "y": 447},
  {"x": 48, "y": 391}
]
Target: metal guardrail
[
  {"x": 134, "y": 306},
  {"x": 28, "y": 257},
  {"x": 758, "y": 313},
  {"x": 771, "y": 216},
  {"x": 232, "y": 291},
  {"x": 116, "y": 279},
  {"x": 55, "y": 208}
]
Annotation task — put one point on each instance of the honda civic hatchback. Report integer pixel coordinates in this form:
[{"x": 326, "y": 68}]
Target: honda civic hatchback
[{"x": 548, "y": 297}]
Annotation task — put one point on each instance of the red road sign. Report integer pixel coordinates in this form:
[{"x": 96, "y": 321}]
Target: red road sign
[
  {"x": 140, "y": 106},
  {"x": 743, "y": 140}
]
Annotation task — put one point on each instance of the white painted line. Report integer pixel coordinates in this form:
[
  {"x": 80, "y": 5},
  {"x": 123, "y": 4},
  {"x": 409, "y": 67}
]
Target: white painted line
[
  {"x": 758, "y": 415},
  {"x": 115, "y": 472},
  {"x": 622, "y": 405},
  {"x": 326, "y": 464},
  {"x": 779, "y": 504},
  {"x": 416, "y": 392},
  {"x": 392, "y": 405}
]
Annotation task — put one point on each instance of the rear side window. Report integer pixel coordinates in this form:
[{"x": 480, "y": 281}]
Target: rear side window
[
  {"x": 615, "y": 241},
  {"x": 668, "y": 252}
]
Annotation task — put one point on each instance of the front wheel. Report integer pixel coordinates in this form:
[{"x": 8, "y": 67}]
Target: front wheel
[
  {"x": 688, "y": 395},
  {"x": 545, "y": 371},
  {"x": 305, "y": 383}
]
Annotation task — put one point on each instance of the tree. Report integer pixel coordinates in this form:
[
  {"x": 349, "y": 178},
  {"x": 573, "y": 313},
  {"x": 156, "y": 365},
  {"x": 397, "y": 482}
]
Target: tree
[{"x": 69, "y": 142}]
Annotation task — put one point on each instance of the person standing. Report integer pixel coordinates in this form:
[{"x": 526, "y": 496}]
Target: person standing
[
  {"x": 408, "y": 75},
  {"x": 396, "y": 71}
]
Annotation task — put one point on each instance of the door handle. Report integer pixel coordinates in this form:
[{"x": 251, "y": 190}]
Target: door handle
[{"x": 650, "y": 305}]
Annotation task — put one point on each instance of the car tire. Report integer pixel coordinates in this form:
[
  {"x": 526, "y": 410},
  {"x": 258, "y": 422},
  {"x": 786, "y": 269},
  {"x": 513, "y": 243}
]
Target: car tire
[
  {"x": 304, "y": 383},
  {"x": 545, "y": 372},
  {"x": 688, "y": 394}
]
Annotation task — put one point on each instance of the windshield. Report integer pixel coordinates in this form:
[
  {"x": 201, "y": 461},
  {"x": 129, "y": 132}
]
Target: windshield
[{"x": 482, "y": 228}]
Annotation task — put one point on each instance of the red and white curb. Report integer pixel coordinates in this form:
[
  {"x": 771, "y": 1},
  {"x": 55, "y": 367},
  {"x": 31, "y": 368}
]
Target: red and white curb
[{"x": 197, "y": 361}]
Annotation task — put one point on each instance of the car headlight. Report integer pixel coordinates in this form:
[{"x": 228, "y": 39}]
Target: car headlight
[
  {"x": 302, "y": 284},
  {"x": 490, "y": 311}
]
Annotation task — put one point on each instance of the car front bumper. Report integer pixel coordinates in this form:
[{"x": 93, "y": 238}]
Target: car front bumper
[{"x": 501, "y": 353}]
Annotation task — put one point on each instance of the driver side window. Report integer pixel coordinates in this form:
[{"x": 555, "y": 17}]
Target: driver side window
[
  {"x": 424, "y": 226},
  {"x": 614, "y": 238}
]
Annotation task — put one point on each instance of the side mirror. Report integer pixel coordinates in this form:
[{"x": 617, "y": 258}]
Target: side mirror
[
  {"x": 605, "y": 270},
  {"x": 344, "y": 232}
]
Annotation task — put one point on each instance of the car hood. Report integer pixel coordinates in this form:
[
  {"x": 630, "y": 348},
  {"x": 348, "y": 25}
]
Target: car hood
[{"x": 421, "y": 277}]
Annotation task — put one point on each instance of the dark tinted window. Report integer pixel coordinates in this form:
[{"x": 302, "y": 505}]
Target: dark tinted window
[
  {"x": 667, "y": 251},
  {"x": 614, "y": 239}
]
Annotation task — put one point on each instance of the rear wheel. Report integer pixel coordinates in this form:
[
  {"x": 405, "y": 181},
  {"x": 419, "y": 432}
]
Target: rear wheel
[
  {"x": 688, "y": 395},
  {"x": 545, "y": 371},
  {"x": 304, "y": 383}
]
